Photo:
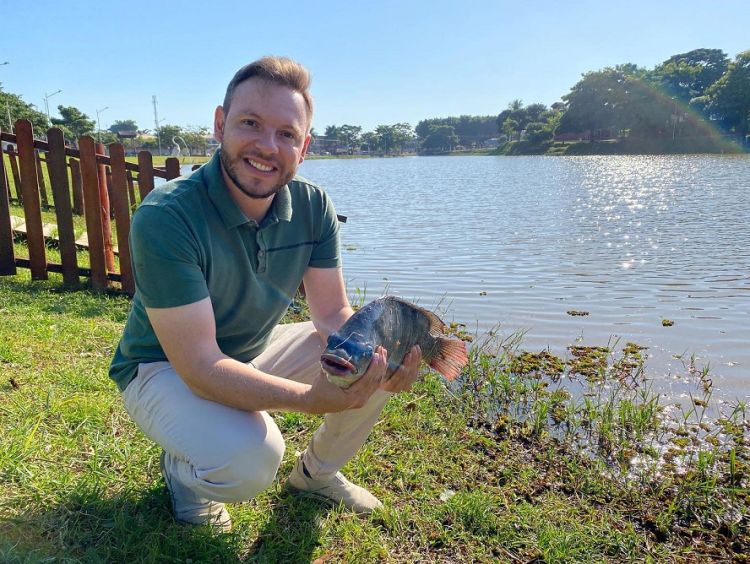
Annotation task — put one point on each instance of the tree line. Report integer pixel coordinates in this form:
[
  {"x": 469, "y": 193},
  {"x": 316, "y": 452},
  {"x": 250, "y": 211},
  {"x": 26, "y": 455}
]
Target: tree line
[{"x": 676, "y": 98}]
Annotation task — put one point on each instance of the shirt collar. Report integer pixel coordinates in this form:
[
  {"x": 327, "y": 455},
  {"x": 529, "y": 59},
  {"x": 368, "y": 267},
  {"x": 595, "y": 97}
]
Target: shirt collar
[{"x": 231, "y": 215}]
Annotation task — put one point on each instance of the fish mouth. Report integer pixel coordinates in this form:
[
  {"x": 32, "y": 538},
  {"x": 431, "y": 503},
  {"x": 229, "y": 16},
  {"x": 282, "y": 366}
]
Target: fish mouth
[{"x": 336, "y": 365}]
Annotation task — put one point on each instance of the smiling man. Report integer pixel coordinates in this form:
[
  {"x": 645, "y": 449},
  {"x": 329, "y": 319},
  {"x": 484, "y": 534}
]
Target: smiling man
[{"x": 218, "y": 256}]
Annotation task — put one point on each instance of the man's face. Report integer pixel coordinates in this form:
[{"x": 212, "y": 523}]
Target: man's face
[{"x": 263, "y": 137}]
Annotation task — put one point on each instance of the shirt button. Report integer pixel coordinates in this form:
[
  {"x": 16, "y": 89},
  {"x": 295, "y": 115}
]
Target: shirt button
[{"x": 261, "y": 253}]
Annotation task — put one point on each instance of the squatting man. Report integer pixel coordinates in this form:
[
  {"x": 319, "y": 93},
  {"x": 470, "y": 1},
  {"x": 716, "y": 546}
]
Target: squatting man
[{"x": 217, "y": 257}]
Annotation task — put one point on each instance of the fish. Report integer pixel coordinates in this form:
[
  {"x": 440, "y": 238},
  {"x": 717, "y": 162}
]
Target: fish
[{"x": 396, "y": 325}]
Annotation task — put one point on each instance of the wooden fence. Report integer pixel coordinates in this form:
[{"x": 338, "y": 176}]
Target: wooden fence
[{"x": 86, "y": 182}]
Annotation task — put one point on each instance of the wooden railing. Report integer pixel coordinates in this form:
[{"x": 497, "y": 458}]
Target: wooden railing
[{"x": 84, "y": 182}]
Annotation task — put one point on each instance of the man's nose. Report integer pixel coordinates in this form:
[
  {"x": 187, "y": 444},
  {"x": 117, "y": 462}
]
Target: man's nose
[{"x": 266, "y": 142}]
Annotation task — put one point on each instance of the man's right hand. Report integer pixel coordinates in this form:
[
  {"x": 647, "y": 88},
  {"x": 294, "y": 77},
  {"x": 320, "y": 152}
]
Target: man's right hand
[{"x": 324, "y": 397}]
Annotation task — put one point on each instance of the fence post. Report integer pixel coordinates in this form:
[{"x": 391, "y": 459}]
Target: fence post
[
  {"x": 31, "y": 205},
  {"x": 172, "y": 166},
  {"x": 122, "y": 215},
  {"x": 145, "y": 173},
  {"x": 131, "y": 190},
  {"x": 75, "y": 175},
  {"x": 7, "y": 254},
  {"x": 12, "y": 156},
  {"x": 109, "y": 253},
  {"x": 90, "y": 183},
  {"x": 58, "y": 177},
  {"x": 40, "y": 175}
]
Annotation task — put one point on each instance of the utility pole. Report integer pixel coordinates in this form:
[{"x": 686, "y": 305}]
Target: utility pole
[{"x": 156, "y": 122}]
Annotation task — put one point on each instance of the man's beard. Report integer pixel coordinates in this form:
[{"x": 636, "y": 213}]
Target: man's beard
[{"x": 228, "y": 165}]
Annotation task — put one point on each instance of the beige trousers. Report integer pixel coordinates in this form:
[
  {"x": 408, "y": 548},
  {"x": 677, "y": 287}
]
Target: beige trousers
[{"x": 225, "y": 454}]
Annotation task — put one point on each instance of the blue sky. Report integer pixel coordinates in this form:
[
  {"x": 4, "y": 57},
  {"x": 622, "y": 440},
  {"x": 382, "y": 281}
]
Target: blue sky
[{"x": 372, "y": 63}]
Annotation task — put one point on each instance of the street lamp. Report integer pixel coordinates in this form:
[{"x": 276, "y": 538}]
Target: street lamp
[
  {"x": 46, "y": 104},
  {"x": 7, "y": 103},
  {"x": 98, "y": 124}
]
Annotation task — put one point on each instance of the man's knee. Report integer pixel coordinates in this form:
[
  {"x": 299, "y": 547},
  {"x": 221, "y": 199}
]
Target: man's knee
[
  {"x": 247, "y": 469},
  {"x": 244, "y": 475}
]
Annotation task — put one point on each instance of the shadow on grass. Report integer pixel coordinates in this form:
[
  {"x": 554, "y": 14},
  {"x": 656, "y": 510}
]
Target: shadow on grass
[
  {"x": 89, "y": 526},
  {"x": 292, "y": 532},
  {"x": 52, "y": 296},
  {"x": 92, "y": 527}
]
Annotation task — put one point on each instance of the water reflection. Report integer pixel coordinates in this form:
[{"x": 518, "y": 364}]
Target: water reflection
[{"x": 520, "y": 241}]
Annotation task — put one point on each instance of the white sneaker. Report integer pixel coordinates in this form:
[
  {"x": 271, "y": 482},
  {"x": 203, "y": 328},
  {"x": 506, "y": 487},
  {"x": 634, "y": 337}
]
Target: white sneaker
[
  {"x": 338, "y": 490},
  {"x": 189, "y": 508}
]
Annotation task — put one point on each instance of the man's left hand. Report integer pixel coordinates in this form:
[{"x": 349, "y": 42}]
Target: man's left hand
[{"x": 406, "y": 374}]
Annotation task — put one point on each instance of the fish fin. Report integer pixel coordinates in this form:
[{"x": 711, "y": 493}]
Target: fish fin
[
  {"x": 437, "y": 327},
  {"x": 450, "y": 357}
]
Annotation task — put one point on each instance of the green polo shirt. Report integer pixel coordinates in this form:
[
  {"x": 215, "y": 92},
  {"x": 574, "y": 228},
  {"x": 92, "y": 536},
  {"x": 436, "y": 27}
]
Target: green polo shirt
[{"x": 189, "y": 241}]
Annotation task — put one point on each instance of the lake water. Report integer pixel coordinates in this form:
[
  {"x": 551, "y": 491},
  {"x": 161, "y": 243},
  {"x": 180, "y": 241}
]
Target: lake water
[{"x": 519, "y": 241}]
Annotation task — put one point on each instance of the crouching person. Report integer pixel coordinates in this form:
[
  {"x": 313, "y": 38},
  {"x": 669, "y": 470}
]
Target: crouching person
[{"x": 217, "y": 257}]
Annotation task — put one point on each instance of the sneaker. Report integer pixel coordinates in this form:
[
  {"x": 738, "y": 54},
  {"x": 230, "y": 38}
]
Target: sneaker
[
  {"x": 338, "y": 490},
  {"x": 189, "y": 508}
]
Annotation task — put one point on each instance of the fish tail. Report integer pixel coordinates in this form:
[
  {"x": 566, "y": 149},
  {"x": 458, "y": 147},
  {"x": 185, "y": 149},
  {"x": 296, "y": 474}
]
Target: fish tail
[{"x": 450, "y": 357}]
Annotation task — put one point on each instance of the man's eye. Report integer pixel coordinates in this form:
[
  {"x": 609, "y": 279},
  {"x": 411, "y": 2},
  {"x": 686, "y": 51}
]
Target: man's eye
[
  {"x": 250, "y": 122},
  {"x": 288, "y": 135}
]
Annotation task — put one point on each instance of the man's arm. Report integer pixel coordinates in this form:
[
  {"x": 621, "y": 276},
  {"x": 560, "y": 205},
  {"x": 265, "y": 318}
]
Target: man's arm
[
  {"x": 188, "y": 336},
  {"x": 329, "y": 310}
]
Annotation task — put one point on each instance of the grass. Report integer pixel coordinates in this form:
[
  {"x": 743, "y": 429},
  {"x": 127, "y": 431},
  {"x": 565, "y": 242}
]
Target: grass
[{"x": 530, "y": 458}]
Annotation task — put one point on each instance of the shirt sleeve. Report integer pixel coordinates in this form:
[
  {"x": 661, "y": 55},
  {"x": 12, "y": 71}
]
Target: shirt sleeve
[
  {"x": 166, "y": 259},
  {"x": 326, "y": 253}
]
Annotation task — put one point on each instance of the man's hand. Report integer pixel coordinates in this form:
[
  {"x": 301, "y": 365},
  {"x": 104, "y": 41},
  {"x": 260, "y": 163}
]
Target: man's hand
[
  {"x": 324, "y": 397},
  {"x": 406, "y": 374}
]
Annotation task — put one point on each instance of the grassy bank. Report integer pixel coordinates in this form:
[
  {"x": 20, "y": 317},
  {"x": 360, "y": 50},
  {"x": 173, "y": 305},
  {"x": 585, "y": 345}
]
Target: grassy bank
[{"x": 507, "y": 467}]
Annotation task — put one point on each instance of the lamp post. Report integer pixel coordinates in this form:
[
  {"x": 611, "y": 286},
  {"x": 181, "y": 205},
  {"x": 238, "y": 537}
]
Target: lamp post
[
  {"x": 98, "y": 124},
  {"x": 7, "y": 104},
  {"x": 46, "y": 98}
]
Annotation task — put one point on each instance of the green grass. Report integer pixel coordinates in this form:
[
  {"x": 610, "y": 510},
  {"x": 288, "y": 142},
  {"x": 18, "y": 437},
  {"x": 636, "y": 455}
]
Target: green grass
[{"x": 505, "y": 467}]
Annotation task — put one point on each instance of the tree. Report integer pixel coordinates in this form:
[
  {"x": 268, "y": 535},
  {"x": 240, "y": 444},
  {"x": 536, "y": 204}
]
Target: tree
[
  {"x": 370, "y": 140},
  {"x": 402, "y": 133},
  {"x": 729, "y": 97},
  {"x": 123, "y": 125},
  {"x": 73, "y": 122},
  {"x": 510, "y": 128},
  {"x": 349, "y": 135},
  {"x": 385, "y": 137},
  {"x": 538, "y": 133},
  {"x": 331, "y": 132},
  {"x": 166, "y": 135},
  {"x": 196, "y": 138},
  {"x": 440, "y": 138},
  {"x": 597, "y": 102},
  {"x": 14, "y": 105},
  {"x": 688, "y": 75}
]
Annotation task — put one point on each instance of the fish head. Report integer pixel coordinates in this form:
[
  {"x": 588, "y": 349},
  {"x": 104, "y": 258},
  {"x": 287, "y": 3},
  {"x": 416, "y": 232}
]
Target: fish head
[{"x": 346, "y": 358}]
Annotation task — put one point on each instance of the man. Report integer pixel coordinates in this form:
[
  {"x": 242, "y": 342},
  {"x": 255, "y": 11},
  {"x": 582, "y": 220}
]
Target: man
[{"x": 217, "y": 258}]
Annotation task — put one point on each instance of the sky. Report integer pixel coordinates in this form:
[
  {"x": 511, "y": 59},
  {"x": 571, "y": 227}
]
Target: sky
[{"x": 372, "y": 63}]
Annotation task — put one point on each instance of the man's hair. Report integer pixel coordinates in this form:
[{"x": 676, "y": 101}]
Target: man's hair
[{"x": 278, "y": 70}]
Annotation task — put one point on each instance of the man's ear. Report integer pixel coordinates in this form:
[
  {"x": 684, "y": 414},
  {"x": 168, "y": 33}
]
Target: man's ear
[
  {"x": 306, "y": 145},
  {"x": 219, "y": 123}
]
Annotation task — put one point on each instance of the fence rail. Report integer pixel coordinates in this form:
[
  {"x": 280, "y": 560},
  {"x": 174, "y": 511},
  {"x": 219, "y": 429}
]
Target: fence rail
[{"x": 84, "y": 183}]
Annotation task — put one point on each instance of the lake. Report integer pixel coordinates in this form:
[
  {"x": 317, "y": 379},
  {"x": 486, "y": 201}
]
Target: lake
[{"x": 520, "y": 241}]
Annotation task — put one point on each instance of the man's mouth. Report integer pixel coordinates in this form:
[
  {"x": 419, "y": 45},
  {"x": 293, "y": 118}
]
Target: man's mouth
[{"x": 260, "y": 166}]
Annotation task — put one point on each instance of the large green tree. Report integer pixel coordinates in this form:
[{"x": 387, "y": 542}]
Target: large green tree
[
  {"x": 440, "y": 138},
  {"x": 123, "y": 125},
  {"x": 348, "y": 135},
  {"x": 688, "y": 75},
  {"x": 14, "y": 108},
  {"x": 74, "y": 123},
  {"x": 729, "y": 97}
]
